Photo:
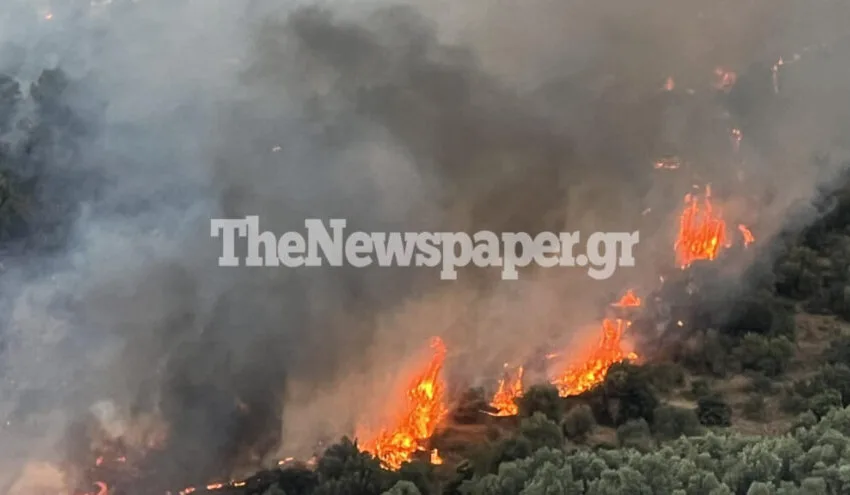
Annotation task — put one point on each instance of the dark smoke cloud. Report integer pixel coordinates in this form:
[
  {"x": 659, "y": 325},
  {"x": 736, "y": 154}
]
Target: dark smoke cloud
[{"x": 421, "y": 116}]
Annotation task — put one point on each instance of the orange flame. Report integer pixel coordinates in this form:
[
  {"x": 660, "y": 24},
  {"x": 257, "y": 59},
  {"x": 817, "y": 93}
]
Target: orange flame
[
  {"x": 510, "y": 389},
  {"x": 591, "y": 370},
  {"x": 702, "y": 233},
  {"x": 424, "y": 410},
  {"x": 748, "y": 236}
]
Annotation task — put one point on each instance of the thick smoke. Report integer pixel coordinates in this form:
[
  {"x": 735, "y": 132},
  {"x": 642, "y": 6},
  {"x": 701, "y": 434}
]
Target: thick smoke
[{"x": 405, "y": 117}]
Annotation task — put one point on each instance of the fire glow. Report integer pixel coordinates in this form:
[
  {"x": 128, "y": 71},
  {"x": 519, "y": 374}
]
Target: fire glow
[
  {"x": 424, "y": 409},
  {"x": 510, "y": 389},
  {"x": 702, "y": 231},
  {"x": 591, "y": 369}
]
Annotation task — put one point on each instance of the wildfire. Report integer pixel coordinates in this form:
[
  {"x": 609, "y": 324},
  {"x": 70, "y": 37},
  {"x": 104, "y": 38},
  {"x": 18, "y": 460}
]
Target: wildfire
[
  {"x": 748, "y": 236},
  {"x": 424, "y": 409},
  {"x": 724, "y": 79},
  {"x": 510, "y": 389},
  {"x": 702, "y": 233},
  {"x": 591, "y": 370}
]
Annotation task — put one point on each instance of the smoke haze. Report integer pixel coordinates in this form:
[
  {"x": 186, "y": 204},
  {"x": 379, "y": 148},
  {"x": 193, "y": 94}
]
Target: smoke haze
[{"x": 410, "y": 116}]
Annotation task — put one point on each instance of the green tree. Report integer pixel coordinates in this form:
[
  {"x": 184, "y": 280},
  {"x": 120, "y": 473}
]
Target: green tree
[
  {"x": 579, "y": 422},
  {"x": 543, "y": 399},
  {"x": 713, "y": 411}
]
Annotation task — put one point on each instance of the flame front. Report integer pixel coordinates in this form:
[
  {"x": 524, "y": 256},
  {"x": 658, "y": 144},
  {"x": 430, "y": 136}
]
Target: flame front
[
  {"x": 702, "y": 232},
  {"x": 590, "y": 370},
  {"x": 424, "y": 409},
  {"x": 510, "y": 389}
]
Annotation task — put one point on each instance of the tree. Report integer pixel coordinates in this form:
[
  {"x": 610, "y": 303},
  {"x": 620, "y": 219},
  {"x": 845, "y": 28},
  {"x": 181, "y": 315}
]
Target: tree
[
  {"x": 403, "y": 488},
  {"x": 628, "y": 394},
  {"x": 713, "y": 411},
  {"x": 541, "y": 432},
  {"x": 671, "y": 422},
  {"x": 579, "y": 422},
  {"x": 636, "y": 434},
  {"x": 543, "y": 399}
]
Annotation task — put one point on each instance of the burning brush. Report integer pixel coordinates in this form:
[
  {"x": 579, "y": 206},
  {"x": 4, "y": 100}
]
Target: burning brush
[{"x": 419, "y": 417}]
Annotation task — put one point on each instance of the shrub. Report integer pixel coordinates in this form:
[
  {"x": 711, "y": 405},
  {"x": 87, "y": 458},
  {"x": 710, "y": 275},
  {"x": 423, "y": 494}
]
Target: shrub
[
  {"x": 811, "y": 460},
  {"x": 636, "y": 434},
  {"x": 835, "y": 377},
  {"x": 700, "y": 388},
  {"x": 713, "y": 411},
  {"x": 541, "y": 432},
  {"x": 823, "y": 402},
  {"x": 543, "y": 399},
  {"x": 628, "y": 394},
  {"x": 761, "y": 384},
  {"x": 671, "y": 422},
  {"x": 403, "y": 488},
  {"x": 766, "y": 355},
  {"x": 507, "y": 450},
  {"x": 805, "y": 420},
  {"x": 754, "y": 408},
  {"x": 750, "y": 314},
  {"x": 792, "y": 402},
  {"x": 579, "y": 422},
  {"x": 838, "y": 351},
  {"x": 665, "y": 376},
  {"x": 345, "y": 469}
]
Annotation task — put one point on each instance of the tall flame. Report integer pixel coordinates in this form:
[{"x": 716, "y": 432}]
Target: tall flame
[
  {"x": 702, "y": 232},
  {"x": 591, "y": 369},
  {"x": 510, "y": 389},
  {"x": 424, "y": 409}
]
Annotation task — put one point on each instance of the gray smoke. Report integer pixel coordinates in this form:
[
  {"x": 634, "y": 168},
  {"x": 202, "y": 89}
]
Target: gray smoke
[{"x": 412, "y": 116}]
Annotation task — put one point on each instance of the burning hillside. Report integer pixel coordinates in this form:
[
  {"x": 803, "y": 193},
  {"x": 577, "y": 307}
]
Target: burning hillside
[
  {"x": 418, "y": 418},
  {"x": 689, "y": 126}
]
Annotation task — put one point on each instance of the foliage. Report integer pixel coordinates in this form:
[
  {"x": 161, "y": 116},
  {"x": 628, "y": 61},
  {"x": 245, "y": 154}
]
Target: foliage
[
  {"x": 543, "y": 399},
  {"x": 809, "y": 460},
  {"x": 665, "y": 376},
  {"x": 541, "y": 432},
  {"x": 579, "y": 422},
  {"x": 700, "y": 388},
  {"x": 838, "y": 351},
  {"x": 766, "y": 355},
  {"x": 754, "y": 408},
  {"x": 671, "y": 422},
  {"x": 403, "y": 488},
  {"x": 345, "y": 469},
  {"x": 636, "y": 434},
  {"x": 712, "y": 410},
  {"x": 761, "y": 384},
  {"x": 627, "y": 394}
]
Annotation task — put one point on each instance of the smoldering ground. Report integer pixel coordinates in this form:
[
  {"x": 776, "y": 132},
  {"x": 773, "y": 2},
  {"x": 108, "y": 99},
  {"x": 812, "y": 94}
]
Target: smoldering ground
[{"x": 411, "y": 117}]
